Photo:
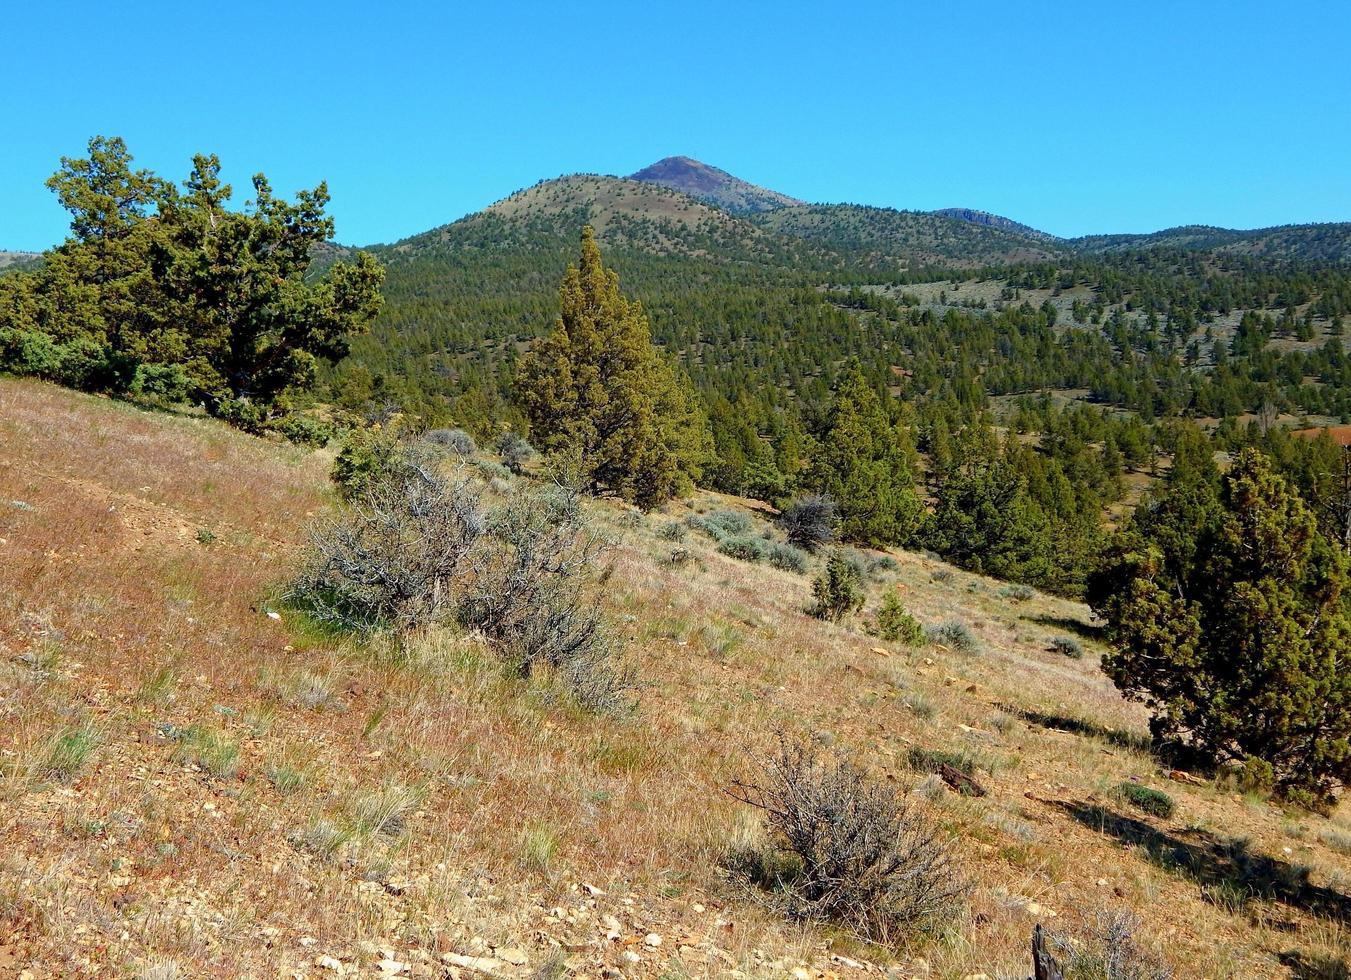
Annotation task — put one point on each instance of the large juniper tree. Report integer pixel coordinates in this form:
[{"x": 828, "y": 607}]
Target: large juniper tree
[
  {"x": 865, "y": 463},
  {"x": 157, "y": 283},
  {"x": 598, "y": 388},
  {"x": 1227, "y": 618}
]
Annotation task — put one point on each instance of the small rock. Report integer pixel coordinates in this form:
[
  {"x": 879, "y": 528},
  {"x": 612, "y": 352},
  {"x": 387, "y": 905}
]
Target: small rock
[
  {"x": 591, "y": 890},
  {"x": 391, "y": 968},
  {"x": 629, "y": 956},
  {"x": 514, "y": 956},
  {"x": 846, "y": 961},
  {"x": 652, "y": 939},
  {"x": 272, "y": 614},
  {"x": 698, "y": 909},
  {"x": 329, "y": 963}
]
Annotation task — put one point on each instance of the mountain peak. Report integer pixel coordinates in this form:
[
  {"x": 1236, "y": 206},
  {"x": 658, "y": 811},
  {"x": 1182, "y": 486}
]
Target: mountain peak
[{"x": 708, "y": 183}]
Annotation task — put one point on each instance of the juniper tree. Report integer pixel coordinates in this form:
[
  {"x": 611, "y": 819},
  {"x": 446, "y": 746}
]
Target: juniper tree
[
  {"x": 597, "y": 388},
  {"x": 865, "y": 463},
  {"x": 1226, "y": 615}
]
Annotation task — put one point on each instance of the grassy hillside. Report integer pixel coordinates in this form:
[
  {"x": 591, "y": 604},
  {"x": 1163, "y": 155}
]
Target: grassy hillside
[{"x": 196, "y": 781}]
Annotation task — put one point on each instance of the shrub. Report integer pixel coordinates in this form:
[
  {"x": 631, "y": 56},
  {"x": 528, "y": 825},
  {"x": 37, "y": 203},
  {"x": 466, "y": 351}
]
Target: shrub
[
  {"x": 787, "y": 557},
  {"x": 1111, "y": 952},
  {"x": 850, "y": 849},
  {"x": 722, "y": 524},
  {"x": 1152, "y": 801},
  {"x": 392, "y": 558},
  {"x": 953, "y": 634},
  {"x": 1018, "y": 593},
  {"x": 515, "y": 452},
  {"x": 809, "y": 522},
  {"x": 303, "y": 430},
  {"x": 533, "y": 590},
  {"x": 162, "y": 384},
  {"x": 369, "y": 455},
  {"x": 1068, "y": 646},
  {"x": 921, "y": 759},
  {"x": 672, "y": 531},
  {"x": 743, "y": 546},
  {"x": 837, "y": 590},
  {"x": 456, "y": 441},
  {"x": 895, "y": 624}
]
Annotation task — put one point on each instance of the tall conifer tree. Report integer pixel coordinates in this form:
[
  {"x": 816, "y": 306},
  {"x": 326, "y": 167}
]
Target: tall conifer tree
[{"x": 597, "y": 387}]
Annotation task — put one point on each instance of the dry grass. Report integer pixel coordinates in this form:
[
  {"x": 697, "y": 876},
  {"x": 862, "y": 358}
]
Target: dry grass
[{"x": 262, "y": 792}]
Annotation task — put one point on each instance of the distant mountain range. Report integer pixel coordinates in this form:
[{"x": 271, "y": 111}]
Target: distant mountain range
[{"x": 680, "y": 205}]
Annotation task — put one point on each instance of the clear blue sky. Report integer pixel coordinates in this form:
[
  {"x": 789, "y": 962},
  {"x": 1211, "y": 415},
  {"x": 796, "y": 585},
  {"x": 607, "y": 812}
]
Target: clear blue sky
[{"x": 1074, "y": 117}]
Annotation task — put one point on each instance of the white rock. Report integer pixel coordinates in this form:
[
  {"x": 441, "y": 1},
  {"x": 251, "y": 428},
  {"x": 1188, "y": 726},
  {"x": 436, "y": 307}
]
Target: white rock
[
  {"x": 629, "y": 956},
  {"x": 652, "y": 939},
  {"x": 514, "y": 956},
  {"x": 328, "y": 963}
]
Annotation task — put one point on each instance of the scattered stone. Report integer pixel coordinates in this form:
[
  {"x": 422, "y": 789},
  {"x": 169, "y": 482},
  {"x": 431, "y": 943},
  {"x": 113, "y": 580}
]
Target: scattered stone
[
  {"x": 652, "y": 939},
  {"x": 592, "y": 890},
  {"x": 391, "y": 968},
  {"x": 845, "y": 961},
  {"x": 629, "y": 956},
  {"x": 1033, "y": 909},
  {"x": 514, "y": 956},
  {"x": 485, "y": 965},
  {"x": 698, "y": 909},
  {"x": 327, "y": 962}
]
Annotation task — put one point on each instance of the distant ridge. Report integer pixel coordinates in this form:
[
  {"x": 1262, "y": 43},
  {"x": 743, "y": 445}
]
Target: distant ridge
[
  {"x": 714, "y": 186},
  {"x": 976, "y": 217}
]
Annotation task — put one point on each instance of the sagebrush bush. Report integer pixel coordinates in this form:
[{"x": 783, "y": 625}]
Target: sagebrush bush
[
  {"x": 809, "y": 522},
  {"x": 743, "y": 546},
  {"x": 720, "y": 524},
  {"x": 672, "y": 531},
  {"x": 1068, "y": 646},
  {"x": 838, "y": 590},
  {"x": 1018, "y": 593},
  {"x": 849, "y": 849},
  {"x": 393, "y": 558},
  {"x": 515, "y": 452},
  {"x": 533, "y": 591},
  {"x": 895, "y": 624},
  {"x": 417, "y": 550},
  {"x": 787, "y": 557},
  {"x": 1111, "y": 952},
  {"x": 456, "y": 441},
  {"x": 953, "y": 634}
]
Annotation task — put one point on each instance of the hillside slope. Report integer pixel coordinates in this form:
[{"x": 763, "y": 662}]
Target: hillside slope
[
  {"x": 1330, "y": 242},
  {"x": 196, "y": 782}
]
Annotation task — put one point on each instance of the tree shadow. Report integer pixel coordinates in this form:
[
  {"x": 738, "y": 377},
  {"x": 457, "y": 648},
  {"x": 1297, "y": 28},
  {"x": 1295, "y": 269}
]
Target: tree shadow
[
  {"x": 1086, "y": 630},
  {"x": 1082, "y": 726},
  {"x": 1224, "y": 867},
  {"x": 1314, "y": 966}
]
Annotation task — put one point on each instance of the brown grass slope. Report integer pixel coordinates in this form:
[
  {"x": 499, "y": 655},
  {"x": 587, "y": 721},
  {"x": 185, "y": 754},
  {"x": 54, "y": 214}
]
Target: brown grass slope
[{"x": 192, "y": 787}]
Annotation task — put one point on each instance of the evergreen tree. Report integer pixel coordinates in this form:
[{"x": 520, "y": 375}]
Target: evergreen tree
[
  {"x": 597, "y": 387},
  {"x": 1226, "y": 617},
  {"x": 865, "y": 463}
]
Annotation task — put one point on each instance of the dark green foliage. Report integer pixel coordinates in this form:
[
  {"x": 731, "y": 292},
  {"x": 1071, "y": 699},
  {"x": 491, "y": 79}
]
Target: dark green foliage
[
  {"x": 597, "y": 387},
  {"x": 838, "y": 590},
  {"x": 895, "y": 624},
  {"x": 368, "y": 456},
  {"x": 1151, "y": 801},
  {"x": 166, "y": 294},
  {"x": 866, "y": 464},
  {"x": 1226, "y": 615}
]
